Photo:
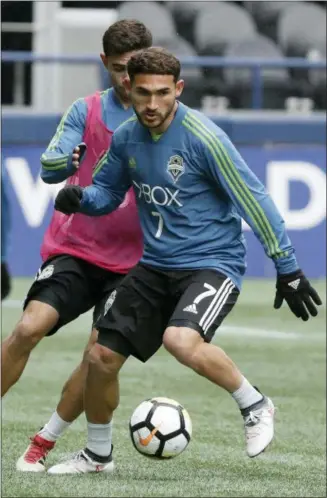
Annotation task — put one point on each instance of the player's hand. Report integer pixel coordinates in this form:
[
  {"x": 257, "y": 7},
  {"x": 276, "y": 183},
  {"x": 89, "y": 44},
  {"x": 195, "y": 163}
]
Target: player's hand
[
  {"x": 78, "y": 152},
  {"x": 295, "y": 288},
  {"x": 68, "y": 199}
]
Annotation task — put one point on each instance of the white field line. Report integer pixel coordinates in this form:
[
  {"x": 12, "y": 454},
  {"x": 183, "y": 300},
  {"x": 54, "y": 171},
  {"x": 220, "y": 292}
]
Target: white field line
[
  {"x": 237, "y": 330},
  {"x": 225, "y": 330}
]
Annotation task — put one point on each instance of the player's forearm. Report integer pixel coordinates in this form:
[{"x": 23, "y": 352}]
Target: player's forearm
[
  {"x": 56, "y": 167},
  {"x": 269, "y": 226},
  {"x": 286, "y": 264},
  {"x": 283, "y": 254},
  {"x": 97, "y": 201},
  {"x": 57, "y": 159}
]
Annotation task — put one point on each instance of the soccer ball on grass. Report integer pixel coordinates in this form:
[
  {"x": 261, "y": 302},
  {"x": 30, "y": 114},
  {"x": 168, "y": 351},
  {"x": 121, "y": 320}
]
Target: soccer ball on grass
[{"x": 160, "y": 428}]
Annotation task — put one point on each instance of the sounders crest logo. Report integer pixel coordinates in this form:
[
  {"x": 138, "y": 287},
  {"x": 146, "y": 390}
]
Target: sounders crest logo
[{"x": 176, "y": 167}]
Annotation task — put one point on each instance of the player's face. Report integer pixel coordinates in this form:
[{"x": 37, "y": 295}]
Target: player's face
[
  {"x": 153, "y": 98},
  {"x": 116, "y": 65}
]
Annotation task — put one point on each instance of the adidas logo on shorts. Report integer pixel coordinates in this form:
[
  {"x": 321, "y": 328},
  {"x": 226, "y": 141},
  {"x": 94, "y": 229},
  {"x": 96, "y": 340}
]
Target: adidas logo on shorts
[{"x": 191, "y": 309}]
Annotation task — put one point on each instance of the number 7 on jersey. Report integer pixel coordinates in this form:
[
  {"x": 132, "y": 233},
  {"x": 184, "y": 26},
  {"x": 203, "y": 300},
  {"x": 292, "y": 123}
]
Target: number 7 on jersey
[{"x": 160, "y": 223}]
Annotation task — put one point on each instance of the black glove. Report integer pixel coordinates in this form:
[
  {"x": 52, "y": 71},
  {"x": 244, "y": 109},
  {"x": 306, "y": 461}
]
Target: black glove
[
  {"x": 68, "y": 199},
  {"x": 295, "y": 288}
]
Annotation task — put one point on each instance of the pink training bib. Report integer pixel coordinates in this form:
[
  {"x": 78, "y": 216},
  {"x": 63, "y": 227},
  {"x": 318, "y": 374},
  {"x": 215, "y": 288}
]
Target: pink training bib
[{"x": 113, "y": 241}]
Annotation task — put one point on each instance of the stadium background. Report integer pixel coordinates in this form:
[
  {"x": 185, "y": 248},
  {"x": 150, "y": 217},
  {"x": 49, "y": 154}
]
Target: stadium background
[
  {"x": 284, "y": 141},
  {"x": 279, "y": 125}
]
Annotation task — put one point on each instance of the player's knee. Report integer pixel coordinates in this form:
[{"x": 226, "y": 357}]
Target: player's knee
[
  {"x": 182, "y": 343},
  {"x": 27, "y": 332},
  {"x": 37, "y": 320},
  {"x": 104, "y": 360}
]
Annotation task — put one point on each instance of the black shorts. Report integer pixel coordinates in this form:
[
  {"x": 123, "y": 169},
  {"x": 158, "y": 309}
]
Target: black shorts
[
  {"x": 149, "y": 299},
  {"x": 72, "y": 286}
]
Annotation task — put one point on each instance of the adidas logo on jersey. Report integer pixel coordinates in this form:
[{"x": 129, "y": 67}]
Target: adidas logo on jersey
[
  {"x": 294, "y": 284},
  {"x": 191, "y": 309}
]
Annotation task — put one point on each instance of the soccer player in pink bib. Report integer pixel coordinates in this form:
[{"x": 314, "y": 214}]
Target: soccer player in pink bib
[{"x": 84, "y": 259}]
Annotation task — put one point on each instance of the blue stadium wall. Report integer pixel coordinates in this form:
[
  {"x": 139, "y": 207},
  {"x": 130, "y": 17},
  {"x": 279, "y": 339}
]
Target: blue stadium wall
[{"x": 288, "y": 154}]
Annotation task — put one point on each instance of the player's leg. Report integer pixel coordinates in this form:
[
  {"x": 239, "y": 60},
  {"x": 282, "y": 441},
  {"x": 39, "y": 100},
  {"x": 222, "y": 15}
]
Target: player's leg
[
  {"x": 134, "y": 308},
  {"x": 70, "y": 290},
  {"x": 70, "y": 406},
  {"x": 37, "y": 320},
  {"x": 188, "y": 336},
  {"x": 71, "y": 403},
  {"x": 101, "y": 399},
  {"x": 102, "y": 285},
  {"x": 49, "y": 304}
]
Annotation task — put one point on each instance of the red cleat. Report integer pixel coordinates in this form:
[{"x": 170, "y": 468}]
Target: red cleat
[{"x": 33, "y": 460}]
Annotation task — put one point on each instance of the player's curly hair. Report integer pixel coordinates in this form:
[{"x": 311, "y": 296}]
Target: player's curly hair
[
  {"x": 124, "y": 36},
  {"x": 154, "y": 60}
]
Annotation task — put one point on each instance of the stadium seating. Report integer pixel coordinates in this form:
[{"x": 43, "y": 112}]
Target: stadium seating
[
  {"x": 294, "y": 28},
  {"x": 212, "y": 35},
  {"x": 238, "y": 29},
  {"x": 276, "y": 81},
  {"x": 266, "y": 15},
  {"x": 219, "y": 24},
  {"x": 301, "y": 27},
  {"x": 156, "y": 17},
  {"x": 301, "y": 31},
  {"x": 317, "y": 78},
  {"x": 185, "y": 14}
]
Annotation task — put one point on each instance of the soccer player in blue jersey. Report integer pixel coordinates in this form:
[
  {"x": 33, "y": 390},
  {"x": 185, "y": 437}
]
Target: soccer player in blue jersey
[{"x": 192, "y": 188}]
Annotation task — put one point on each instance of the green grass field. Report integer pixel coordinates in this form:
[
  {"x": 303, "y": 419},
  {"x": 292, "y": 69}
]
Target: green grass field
[{"x": 283, "y": 356}]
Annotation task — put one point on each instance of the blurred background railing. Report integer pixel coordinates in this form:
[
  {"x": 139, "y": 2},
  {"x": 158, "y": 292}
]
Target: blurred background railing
[
  {"x": 277, "y": 49},
  {"x": 255, "y": 66}
]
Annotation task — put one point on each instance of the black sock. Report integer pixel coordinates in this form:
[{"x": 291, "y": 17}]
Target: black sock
[{"x": 98, "y": 458}]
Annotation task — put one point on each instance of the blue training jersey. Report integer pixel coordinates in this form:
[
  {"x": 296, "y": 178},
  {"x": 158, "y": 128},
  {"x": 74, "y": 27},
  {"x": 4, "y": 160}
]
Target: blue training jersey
[
  {"x": 57, "y": 159},
  {"x": 192, "y": 189}
]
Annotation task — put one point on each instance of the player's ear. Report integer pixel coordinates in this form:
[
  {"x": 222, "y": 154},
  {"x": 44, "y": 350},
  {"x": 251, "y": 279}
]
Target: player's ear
[
  {"x": 104, "y": 59},
  {"x": 179, "y": 87}
]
